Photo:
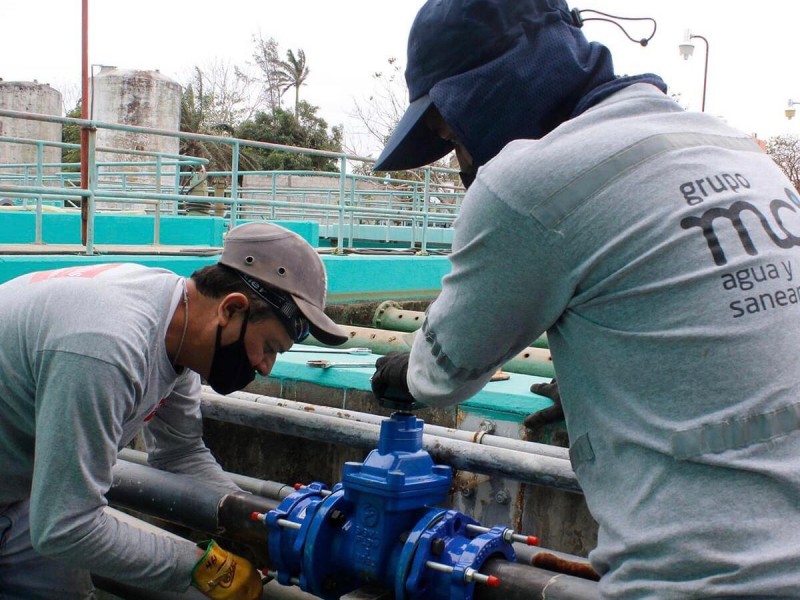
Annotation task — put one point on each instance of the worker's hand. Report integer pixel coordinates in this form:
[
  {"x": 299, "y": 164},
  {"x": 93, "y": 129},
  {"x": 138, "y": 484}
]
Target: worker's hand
[
  {"x": 389, "y": 384},
  {"x": 550, "y": 414},
  {"x": 222, "y": 575}
]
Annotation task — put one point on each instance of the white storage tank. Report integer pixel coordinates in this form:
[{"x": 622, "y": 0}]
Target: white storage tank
[
  {"x": 30, "y": 97},
  {"x": 144, "y": 99}
]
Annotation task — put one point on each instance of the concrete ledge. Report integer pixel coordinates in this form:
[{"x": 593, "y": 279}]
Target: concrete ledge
[{"x": 509, "y": 400}]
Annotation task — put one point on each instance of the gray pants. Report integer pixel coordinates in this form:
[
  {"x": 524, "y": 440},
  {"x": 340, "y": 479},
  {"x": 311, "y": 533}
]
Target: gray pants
[{"x": 26, "y": 575}]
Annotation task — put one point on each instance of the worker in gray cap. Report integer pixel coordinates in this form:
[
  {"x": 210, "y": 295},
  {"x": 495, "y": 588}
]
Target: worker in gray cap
[
  {"x": 93, "y": 353},
  {"x": 658, "y": 248}
]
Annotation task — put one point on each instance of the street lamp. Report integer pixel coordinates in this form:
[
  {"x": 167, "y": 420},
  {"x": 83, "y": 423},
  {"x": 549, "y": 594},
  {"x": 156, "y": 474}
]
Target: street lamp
[
  {"x": 687, "y": 48},
  {"x": 790, "y": 111}
]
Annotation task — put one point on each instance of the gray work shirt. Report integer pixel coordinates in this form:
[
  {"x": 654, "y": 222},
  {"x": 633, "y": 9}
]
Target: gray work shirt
[
  {"x": 659, "y": 250},
  {"x": 84, "y": 365}
]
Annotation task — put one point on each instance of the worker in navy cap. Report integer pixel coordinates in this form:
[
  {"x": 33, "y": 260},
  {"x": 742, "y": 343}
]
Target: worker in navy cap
[{"x": 658, "y": 248}]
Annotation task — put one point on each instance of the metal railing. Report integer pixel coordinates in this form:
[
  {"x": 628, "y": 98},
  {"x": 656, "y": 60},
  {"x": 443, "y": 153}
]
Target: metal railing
[{"x": 342, "y": 202}]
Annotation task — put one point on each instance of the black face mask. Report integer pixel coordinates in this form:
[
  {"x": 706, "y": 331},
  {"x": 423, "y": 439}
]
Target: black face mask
[
  {"x": 230, "y": 368},
  {"x": 467, "y": 177}
]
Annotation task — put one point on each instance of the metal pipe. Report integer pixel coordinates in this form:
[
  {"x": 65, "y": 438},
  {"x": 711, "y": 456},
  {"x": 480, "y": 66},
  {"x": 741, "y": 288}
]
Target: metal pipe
[
  {"x": 520, "y": 582},
  {"x": 15, "y": 114},
  {"x": 476, "y": 437},
  {"x": 263, "y": 487},
  {"x": 519, "y": 466},
  {"x": 390, "y": 315},
  {"x": 531, "y": 361},
  {"x": 84, "y": 154},
  {"x": 185, "y": 501}
]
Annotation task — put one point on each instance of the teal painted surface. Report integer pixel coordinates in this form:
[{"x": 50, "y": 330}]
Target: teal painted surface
[
  {"x": 308, "y": 230},
  {"x": 15, "y": 265},
  {"x": 350, "y": 278},
  {"x": 367, "y": 277},
  {"x": 65, "y": 228},
  {"x": 332, "y": 242},
  {"x": 509, "y": 400},
  {"x": 401, "y": 234}
]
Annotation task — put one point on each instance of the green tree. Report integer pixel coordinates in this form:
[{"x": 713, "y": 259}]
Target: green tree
[
  {"x": 71, "y": 134},
  {"x": 201, "y": 112},
  {"x": 785, "y": 151},
  {"x": 296, "y": 71},
  {"x": 305, "y": 130},
  {"x": 379, "y": 115},
  {"x": 274, "y": 78}
]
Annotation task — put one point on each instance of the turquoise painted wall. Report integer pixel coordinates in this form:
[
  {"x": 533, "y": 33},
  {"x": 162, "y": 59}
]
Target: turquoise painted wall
[
  {"x": 65, "y": 228},
  {"x": 351, "y": 278}
]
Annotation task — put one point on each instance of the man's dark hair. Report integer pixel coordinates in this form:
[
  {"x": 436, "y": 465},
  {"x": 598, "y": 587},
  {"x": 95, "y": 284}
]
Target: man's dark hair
[{"x": 217, "y": 281}]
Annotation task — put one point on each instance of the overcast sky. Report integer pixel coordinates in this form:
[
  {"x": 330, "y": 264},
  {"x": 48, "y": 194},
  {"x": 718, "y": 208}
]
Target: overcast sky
[{"x": 752, "y": 68}]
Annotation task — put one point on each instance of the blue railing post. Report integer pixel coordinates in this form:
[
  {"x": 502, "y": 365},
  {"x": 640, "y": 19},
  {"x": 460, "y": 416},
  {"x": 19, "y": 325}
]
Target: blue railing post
[
  {"x": 414, "y": 209},
  {"x": 426, "y": 197},
  {"x": 157, "y": 215},
  {"x": 92, "y": 189},
  {"x": 274, "y": 199},
  {"x": 39, "y": 183},
  {"x": 340, "y": 236},
  {"x": 351, "y": 233},
  {"x": 234, "y": 186}
]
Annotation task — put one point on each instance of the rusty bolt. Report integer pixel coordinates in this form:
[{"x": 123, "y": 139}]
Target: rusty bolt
[
  {"x": 502, "y": 497},
  {"x": 487, "y": 426}
]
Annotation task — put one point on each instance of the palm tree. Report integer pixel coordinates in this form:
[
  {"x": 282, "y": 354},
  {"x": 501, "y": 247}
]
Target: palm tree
[{"x": 296, "y": 71}]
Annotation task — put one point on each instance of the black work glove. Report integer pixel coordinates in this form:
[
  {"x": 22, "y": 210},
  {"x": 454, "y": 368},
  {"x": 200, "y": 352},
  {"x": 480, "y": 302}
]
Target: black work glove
[
  {"x": 550, "y": 414},
  {"x": 389, "y": 381}
]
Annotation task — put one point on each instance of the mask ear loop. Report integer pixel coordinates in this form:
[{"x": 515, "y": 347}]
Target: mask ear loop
[
  {"x": 244, "y": 323},
  {"x": 185, "y": 323}
]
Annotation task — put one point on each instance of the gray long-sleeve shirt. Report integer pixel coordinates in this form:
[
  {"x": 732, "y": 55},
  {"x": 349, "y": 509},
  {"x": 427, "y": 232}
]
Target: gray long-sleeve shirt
[
  {"x": 660, "y": 250},
  {"x": 83, "y": 366}
]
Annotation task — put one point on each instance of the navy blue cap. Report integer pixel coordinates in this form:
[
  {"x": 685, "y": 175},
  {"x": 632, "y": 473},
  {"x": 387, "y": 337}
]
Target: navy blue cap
[{"x": 450, "y": 37}]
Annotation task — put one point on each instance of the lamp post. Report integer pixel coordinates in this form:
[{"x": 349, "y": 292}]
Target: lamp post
[
  {"x": 790, "y": 111},
  {"x": 687, "y": 48}
]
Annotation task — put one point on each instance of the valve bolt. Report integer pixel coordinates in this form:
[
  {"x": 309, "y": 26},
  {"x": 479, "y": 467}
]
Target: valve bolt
[
  {"x": 508, "y": 535},
  {"x": 301, "y": 486},
  {"x": 470, "y": 574},
  {"x": 437, "y": 546},
  {"x": 336, "y": 517},
  {"x": 288, "y": 524}
]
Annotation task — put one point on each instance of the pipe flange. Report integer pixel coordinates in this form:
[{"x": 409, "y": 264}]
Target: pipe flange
[
  {"x": 285, "y": 544},
  {"x": 382, "y": 308}
]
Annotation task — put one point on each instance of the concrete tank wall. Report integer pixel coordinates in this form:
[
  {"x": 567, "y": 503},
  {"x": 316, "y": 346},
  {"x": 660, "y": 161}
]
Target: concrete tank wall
[
  {"x": 140, "y": 98},
  {"x": 31, "y": 97}
]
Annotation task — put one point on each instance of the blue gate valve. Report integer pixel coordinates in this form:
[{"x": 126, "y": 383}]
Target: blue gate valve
[{"x": 379, "y": 527}]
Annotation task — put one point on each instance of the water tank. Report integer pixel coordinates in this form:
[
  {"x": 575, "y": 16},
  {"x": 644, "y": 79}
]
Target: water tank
[
  {"x": 144, "y": 99},
  {"x": 31, "y": 97}
]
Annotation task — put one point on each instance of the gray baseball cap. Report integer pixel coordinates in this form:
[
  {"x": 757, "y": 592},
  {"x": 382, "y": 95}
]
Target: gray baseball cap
[{"x": 280, "y": 258}]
